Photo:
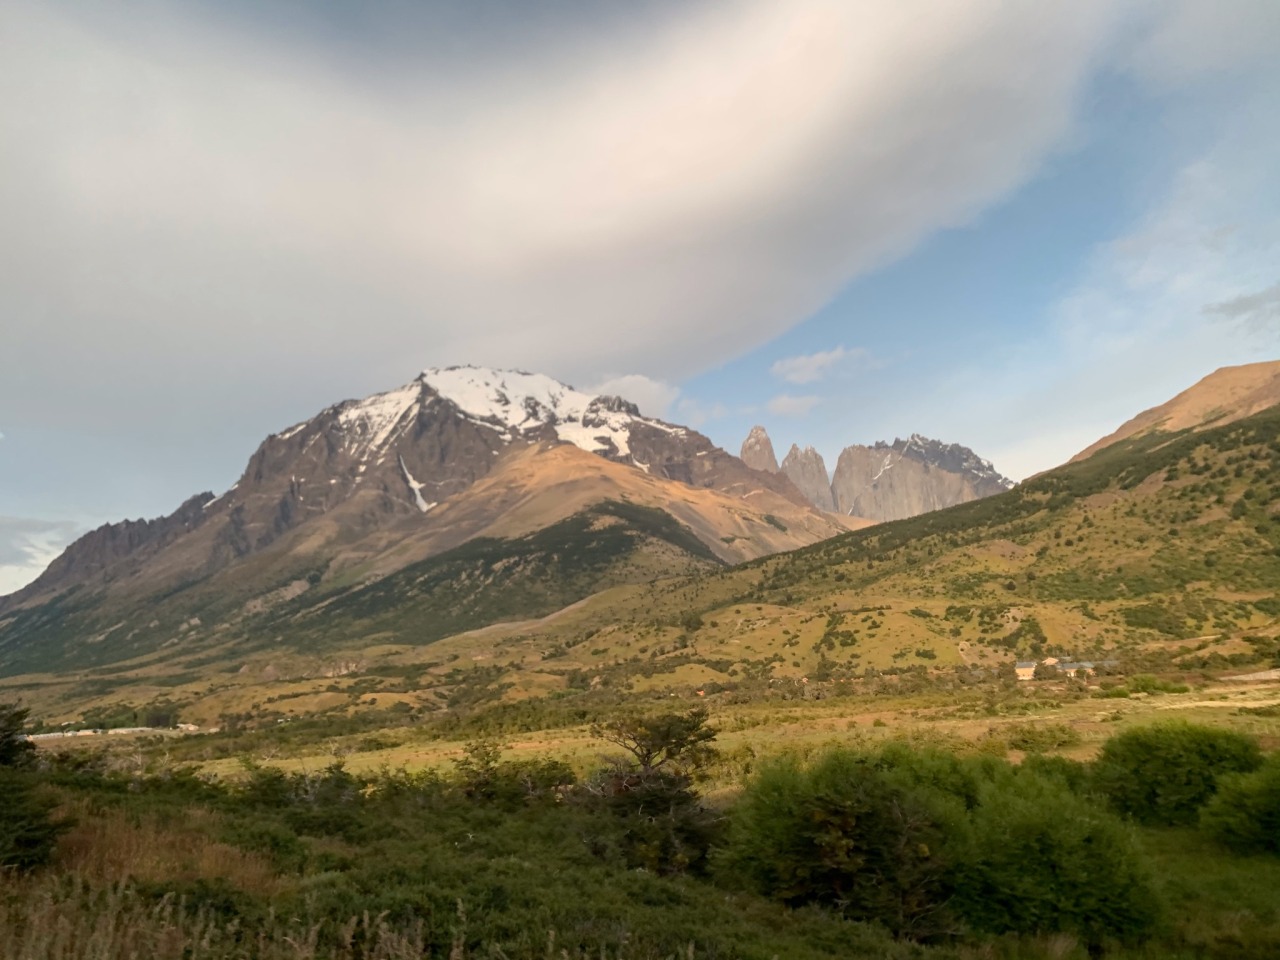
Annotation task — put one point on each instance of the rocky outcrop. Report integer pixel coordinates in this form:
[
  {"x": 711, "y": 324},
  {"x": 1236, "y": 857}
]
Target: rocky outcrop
[
  {"x": 910, "y": 477},
  {"x": 886, "y": 481},
  {"x": 806, "y": 469},
  {"x": 115, "y": 549},
  {"x": 757, "y": 451}
]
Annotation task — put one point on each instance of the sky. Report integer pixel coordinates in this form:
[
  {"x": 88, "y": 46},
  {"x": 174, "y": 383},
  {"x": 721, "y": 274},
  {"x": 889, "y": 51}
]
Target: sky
[{"x": 1008, "y": 225}]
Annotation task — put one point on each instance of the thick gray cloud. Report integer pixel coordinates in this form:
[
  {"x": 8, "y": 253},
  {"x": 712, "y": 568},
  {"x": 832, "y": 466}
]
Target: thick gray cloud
[
  {"x": 202, "y": 223},
  {"x": 212, "y": 224}
]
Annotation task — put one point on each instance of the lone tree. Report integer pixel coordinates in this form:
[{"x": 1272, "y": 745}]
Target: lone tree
[
  {"x": 658, "y": 821},
  {"x": 668, "y": 741}
]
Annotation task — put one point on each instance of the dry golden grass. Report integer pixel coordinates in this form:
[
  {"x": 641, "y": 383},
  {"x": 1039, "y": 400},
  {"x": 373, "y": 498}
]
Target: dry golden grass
[
  {"x": 68, "y": 918},
  {"x": 106, "y": 846}
]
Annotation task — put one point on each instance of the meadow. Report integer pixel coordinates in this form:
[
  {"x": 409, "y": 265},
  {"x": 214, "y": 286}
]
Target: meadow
[{"x": 910, "y": 825}]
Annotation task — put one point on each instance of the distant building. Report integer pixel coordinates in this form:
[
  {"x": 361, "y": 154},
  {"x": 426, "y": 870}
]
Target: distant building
[
  {"x": 1025, "y": 669},
  {"x": 1077, "y": 668}
]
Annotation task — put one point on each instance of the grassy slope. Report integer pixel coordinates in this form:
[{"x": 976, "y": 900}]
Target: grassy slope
[
  {"x": 482, "y": 582},
  {"x": 1160, "y": 543}
]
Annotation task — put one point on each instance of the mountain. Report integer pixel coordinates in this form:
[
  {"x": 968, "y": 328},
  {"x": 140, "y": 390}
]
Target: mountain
[
  {"x": 910, "y": 477},
  {"x": 885, "y": 481},
  {"x": 1224, "y": 396},
  {"x": 564, "y": 573},
  {"x": 757, "y": 451},
  {"x": 806, "y": 469},
  {"x": 368, "y": 488}
]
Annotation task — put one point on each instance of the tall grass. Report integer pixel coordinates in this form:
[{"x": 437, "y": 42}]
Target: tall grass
[{"x": 68, "y": 918}]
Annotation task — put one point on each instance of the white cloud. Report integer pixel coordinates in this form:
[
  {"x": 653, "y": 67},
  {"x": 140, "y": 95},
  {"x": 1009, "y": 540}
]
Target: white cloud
[
  {"x": 659, "y": 200},
  {"x": 812, "y": 367},
  {"x": 27, "y": 547},
  {"x": 1189, "y": 288},
  {"x": 786, "y": 405},
  {"x": 653, "y": 397}
]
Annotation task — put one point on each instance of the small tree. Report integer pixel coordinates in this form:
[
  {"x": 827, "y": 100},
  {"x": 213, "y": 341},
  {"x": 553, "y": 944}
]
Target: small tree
[
  {"x": 15, "y": 749},
  {"x": 672, "y": 741},
  {"x": 848, "y": 834},
  {"x": 27, "y": 828},
  {"x": 1045, "y": 671},
  {"x": 656, "y": 820},
  {"x": 1048, "y": 861}
]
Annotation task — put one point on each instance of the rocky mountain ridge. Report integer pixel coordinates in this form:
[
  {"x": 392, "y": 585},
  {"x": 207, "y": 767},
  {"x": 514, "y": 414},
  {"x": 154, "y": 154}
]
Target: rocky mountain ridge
[
  {"x": 363, "y": 467},
  {"x": 888, "y": 481}
]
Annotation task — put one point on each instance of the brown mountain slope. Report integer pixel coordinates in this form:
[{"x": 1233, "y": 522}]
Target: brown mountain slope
[
  {"x": 534, "y": 487},
  {"x": 1224, "y": 396}
]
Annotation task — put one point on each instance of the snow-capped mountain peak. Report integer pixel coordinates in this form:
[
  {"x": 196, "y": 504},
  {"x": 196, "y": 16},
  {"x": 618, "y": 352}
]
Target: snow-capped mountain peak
[{"x": 519, "y": 403}]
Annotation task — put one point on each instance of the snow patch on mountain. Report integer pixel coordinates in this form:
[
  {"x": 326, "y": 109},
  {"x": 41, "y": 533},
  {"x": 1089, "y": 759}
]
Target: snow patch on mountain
[
  {"x": 368, "y": 424},
  {"x": 517, "y": 403},
  {"x": 416, "y": 486},
  {"x": 951, "y": 456}
]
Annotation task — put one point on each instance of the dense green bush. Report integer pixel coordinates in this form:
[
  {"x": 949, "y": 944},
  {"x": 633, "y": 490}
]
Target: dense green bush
[
  {"x": 847, "y": 834},
  {"x": 1048, "y": 861},
  {"x": 28, "y": 830},
  {"x": 928, "y": 843},
  {"x": 1244, "y": 815},
  {"x": 1165, "y": 774},
  {"x": 1072, "y": 774},
  {"x": 648, "y": 819}
]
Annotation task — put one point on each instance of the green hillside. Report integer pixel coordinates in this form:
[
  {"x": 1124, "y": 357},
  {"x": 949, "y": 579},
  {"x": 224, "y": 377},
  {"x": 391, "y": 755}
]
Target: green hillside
[
  {"x": 481, "y": 582},
  {"x": 1163, "y": 549}
]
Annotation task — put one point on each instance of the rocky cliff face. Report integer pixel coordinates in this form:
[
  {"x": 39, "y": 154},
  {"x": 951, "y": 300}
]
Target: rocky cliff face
[
  {"x": 910, "y": 477},
  {"x": 888, "y": 481},
  {"x": 372, "y": 464},
  {"x": 806, "y": 469},
  {"x": 757, "y": 451},
  {"x": 121, "y": 546}
]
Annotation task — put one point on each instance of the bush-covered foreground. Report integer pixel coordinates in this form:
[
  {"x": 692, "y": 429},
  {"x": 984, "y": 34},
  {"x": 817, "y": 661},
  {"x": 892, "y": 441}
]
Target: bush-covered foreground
[{"x": 897, "y": 852}]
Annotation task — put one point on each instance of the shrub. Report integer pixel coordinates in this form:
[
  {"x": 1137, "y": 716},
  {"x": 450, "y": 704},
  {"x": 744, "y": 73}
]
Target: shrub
[
  {"x": 842, "y": 834},
  {"x": 1244, "y": 815},
  {"x": 1037, "y": 737},
  {"x": 1165, "y": 774},
  {"x": 649, "y": 819},
  {"x": 1048, "y": 862}
]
